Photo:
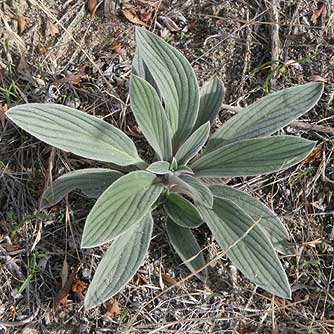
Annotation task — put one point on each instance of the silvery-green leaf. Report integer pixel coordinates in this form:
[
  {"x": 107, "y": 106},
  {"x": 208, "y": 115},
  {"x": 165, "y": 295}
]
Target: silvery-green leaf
[
  {"x": 90, "y": 181},
  {"x": 120, "y": 263},
  {"x": 268, "y": 115},
  {"x": 187, "y": 247},
  {"x": 140, "y": 69},
  {"x": 121, "y": 206},
  {"x": 268, "y": 221},
  {"x": 176, "y": 81},
  {"x": 249, "y": 248},
  {"x": 75, "y": 131},
  {"x": 174, "y": 164},
  {"x": 150, "y": 116},
  {"x": 182, "y": 212},
  {"x": 183, "y": 170},
  {"x": 212, "y": 96},
  {"x": 192, "y": 187},
  {"x": 193, "y": 144},
  {"x": 253, "y": 157},
  {"x": 159, "y": 167}
]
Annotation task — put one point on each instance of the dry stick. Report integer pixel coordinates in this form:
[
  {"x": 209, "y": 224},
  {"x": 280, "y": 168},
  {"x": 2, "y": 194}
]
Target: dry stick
[
  {"x": 19, "y": 323},
  {"x": 295, "y": 124},
  {"x": 49, "y": 14},
  {"x": 48, "y": 179},
  {"x": 275, "y": 41},
  {"x": 131, "y": 322}
]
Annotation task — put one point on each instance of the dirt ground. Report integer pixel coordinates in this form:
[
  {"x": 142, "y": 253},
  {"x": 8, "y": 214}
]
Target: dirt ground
[{"x": 70, "y": 53}]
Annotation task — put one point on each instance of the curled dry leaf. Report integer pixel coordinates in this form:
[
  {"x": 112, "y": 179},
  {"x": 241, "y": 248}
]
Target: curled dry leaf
[
  {"x": 169, "y": 280},
  {"x": 316, "y": 14},
  {"x": 79, "y": 287},
  {"x": 62, "y": 295},
  {"x": 314, "y": 155},
  {"x": 109, "y": 8},
  {"x": 3, "y": 110},
  {"x": 113, "y": 309},
  {"x": 131, "y": 16},
  {"x": 51, "y": 29},
  {"x": 21, "y": 24},
  {"x": 92, "y": 6}
]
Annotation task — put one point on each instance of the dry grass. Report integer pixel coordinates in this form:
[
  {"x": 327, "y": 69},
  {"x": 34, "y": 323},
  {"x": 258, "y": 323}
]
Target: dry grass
[{"x": 241, "y": 43}]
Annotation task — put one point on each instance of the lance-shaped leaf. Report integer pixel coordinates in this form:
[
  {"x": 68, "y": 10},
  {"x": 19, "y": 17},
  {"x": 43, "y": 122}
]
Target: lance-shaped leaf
[
  {"x": 90, "y": 181},
  {"x": 175, "y": 79},
  {"x": 268, "y": 221},
  {"x": 75, "y": 131},
  {"x": 248, "y": 246},
  {"x": 150, "y": 116},
  {"x": 253, "y": 157},
  {"x": 187, "y": 248},
  {"x": 120, "y": 263},
  {"x": 182, "y": 212},
  {"x": 159, "y": 167},
  {"x": 192, "y": 187},
  {"x": 121, "y": 206},
  {"x": 140, "y": 69},
  {"x": 212, "y": 95},
  {"x": 269, "y": 114},
  {"x": 193, "y": 144}
]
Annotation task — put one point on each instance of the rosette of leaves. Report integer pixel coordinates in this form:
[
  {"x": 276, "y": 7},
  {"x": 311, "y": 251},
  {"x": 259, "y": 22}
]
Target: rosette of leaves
[{"x": 175, "y": 116}]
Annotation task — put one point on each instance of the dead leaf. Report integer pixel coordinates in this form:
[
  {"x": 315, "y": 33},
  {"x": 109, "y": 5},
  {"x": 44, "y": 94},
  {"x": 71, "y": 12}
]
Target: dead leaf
[
  {"x": 2, "y": 74},
  {"x": 92, "y": 6},
  {"x": 64, "y": 272},
  {"x": 295, "y": 37},
  {"x": 117, "y": 47},
  {"x": 140, "y": 278},
  {"x": 62, "y": 295},
  {"x": 11, "y": 248},
  {"x": 317, "y": 78},
  {"x": 24, "y": 70},
  {"x": 21, "y": 24},
  {"x": 169, "y": 280},
  {"x": 113, "y": 309},
  {"x": 315, "y": 154},
  {"x": 3, "y": 110},
  {"x": 41, "y": 50},
  {"x": 51, "y": 29},
  {"x": 316, "y": 14},
  {"x": 109, "y": 8},
  {"x": 169, "y": 23},
  {"x": 132, "y": 17},
  {"x": 74, "y": 78},
  {"x": 79, "y": 287}
]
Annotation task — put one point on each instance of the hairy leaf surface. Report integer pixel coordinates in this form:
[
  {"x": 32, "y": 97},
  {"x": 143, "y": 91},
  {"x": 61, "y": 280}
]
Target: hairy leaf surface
[
  {"x": 176, "y": 81},
  {"x": 120, "y": 263},
  {"x": 182, "y": 212},
  {"x": 159, "y": 167},
  {"x": 193, "y": 144},
  {"x": 212, "y": 95},
  {"x": 121, "y": 206},
  {"x": 150, "y": 116},
  {"x": 90, "y": 181},
  {"x": 268, "y": 115},
  {"x": 253, "y": 157},
  {"x": 187, "y": 247},
  {"x": 192, "y": 187},
  {"x": 268, "y": 221},
  {"x": 251, "y": 252},
  {"x": 75, "y": 131}
]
